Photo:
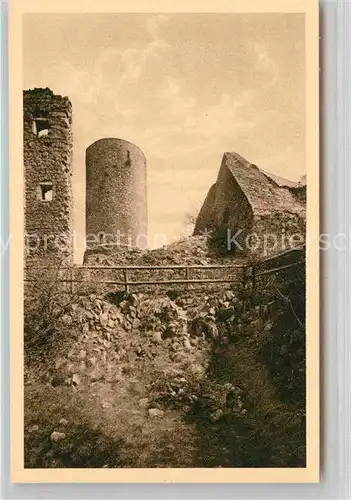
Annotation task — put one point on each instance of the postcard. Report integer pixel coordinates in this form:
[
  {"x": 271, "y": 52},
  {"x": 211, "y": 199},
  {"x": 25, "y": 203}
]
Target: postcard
[{"x": 164, "y": 241}]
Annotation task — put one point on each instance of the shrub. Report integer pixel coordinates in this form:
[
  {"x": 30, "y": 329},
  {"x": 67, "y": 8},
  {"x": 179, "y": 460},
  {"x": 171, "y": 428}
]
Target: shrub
[
  {"x": 283, "y": 345},
  {"x": 45, "y": 302}
]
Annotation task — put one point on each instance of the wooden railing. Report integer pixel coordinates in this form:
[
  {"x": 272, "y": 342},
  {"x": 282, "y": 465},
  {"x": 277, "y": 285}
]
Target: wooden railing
[
  {"x": 268, "y": 266},
  {"x": 127, "y": 282},
  {"x": 277, "y": 263}
]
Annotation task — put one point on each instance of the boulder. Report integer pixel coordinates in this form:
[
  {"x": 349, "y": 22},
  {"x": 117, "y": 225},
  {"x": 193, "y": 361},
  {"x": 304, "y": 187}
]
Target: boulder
[
  {"x": 155, "y": 413},
  {"x": 106, "y": 405},
  {"x": 157, "y": 337},
  {"x": 144, "y": 402},
  {"x": 57, "y": 436},
  {"x": 226, "y": 313}
]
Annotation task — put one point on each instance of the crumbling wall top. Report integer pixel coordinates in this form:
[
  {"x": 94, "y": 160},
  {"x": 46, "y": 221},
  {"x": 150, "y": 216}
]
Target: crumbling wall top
[{"x": 43, "y": 103}]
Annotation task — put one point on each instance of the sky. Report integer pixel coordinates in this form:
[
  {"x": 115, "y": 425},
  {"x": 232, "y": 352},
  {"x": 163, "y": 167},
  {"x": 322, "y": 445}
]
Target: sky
[{"x": 185, "y": 88}]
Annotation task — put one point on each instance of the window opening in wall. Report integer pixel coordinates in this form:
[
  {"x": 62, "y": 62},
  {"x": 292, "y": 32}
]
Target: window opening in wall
[
  {"x": 45, "y": 191},
  {"x": 40, "y": 127}
]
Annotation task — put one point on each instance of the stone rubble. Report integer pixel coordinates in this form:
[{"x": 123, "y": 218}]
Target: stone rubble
[
  {"x": 155, "y": 413},
  {"x": 57, "y": 436},
  {"x": 116, "y": 338}
]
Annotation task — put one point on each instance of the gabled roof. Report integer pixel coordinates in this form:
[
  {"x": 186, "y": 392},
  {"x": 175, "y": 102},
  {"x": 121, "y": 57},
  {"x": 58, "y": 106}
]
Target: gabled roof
[{"x": 264, "y": 194}]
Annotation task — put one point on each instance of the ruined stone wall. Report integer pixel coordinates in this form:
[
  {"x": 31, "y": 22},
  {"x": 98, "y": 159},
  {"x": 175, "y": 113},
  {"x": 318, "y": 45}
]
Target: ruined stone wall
[
  {"x": 47, "y": 134},
  {"x": 277, "y": 232},
  {"x": 116, "y": 193},
  {"x": 270, "y": 218},
  {"x": 263, "y": 193},
  {"x": 205, "y": 219},
  {"x": 231, "y": 207},
  {"x": 226, "y": 208},
  {"x": 300, "y": 192}
]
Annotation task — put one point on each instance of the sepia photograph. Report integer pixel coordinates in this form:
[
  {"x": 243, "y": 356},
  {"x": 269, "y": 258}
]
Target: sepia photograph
[{"x": 166, "y": 171}]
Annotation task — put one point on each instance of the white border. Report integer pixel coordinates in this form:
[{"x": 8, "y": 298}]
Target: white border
[{"x": 336, "y": 49}]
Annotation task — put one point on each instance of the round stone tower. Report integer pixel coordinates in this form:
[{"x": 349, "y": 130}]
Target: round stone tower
[{"x": 116, "y": 194}]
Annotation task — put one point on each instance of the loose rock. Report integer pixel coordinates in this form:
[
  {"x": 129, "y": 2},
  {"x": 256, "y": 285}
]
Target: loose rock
[
  {"x": 66, "y": 319},
  {"x": 57, "y": 436},
  {"x": 187, "y": 345},
  {"x": 33, "y": 428},
  {"x": 225, "y": 314},
  {"x": 216, "y": 415},
  {"x": 155, "y": 413},
  {"x": 143, "y": 403},
  {"x": 157, "y": 337},
  {"x": 106, "y": 405}
]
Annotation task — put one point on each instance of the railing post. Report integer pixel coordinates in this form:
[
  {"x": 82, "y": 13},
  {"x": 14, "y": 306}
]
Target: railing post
[
  {"x": 253, "y": 277},
  {"x": 246, "y": 275},
  {"x": 187, "y": 276},
  {"x": 126, "y": 285},
  {"x": 250, "y": 277},
  {"x": 71, "y": 280}
]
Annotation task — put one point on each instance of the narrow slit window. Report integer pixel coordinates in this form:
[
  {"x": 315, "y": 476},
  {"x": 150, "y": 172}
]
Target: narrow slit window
[
  {"x": 45, "y": 191},
  {"x": 40, "y": 127}
]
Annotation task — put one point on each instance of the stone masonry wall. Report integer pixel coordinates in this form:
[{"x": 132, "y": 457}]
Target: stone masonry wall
[
  {"x": 47, "y": 134},
  {"x": 278, "y": 232},
  {"x": 266, "y": 217},
  {"x": 231, "y": 208},
  {"x": 226, "y": 209},
  {"x": 205, "y": 218}
]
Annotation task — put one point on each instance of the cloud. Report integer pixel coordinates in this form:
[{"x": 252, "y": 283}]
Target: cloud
[
  {"x": 154, "y": 25},
  {"x": 64, "y": 78},
  {"x": 113, "y": 68},
  {"x": 265, "y": 65},
  {"x": 116, "y": 96},
  {"x": 184, "y": 104},
  {"x": 128, "y": 65}
]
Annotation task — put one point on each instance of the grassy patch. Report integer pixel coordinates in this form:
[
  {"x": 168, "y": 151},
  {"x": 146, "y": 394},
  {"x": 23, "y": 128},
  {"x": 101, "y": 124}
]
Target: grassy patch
[
  {"x": 49, "y": 410},
  {"x": 268, "y": 433}
]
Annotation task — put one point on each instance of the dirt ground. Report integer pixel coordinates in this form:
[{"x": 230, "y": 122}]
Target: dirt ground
[{"x": 156, "y": 381}]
